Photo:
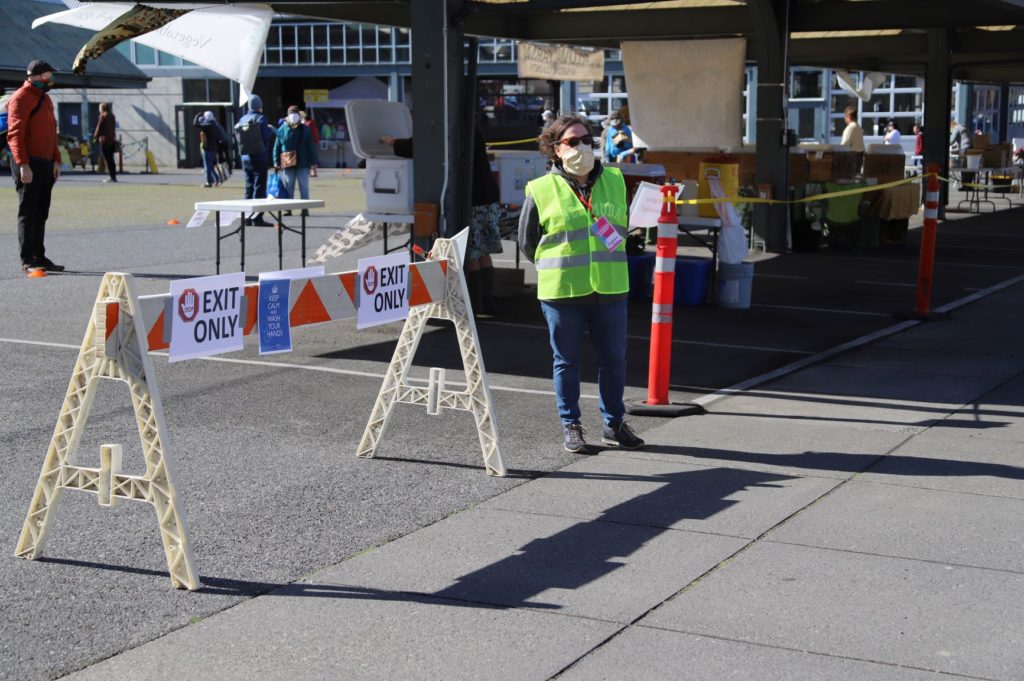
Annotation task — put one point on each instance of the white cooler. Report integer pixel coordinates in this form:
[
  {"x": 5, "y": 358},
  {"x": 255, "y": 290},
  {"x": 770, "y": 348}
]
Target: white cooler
[{"x": 388, "y": 181}]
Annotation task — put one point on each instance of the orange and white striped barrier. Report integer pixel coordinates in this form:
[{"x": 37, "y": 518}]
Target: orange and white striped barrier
[
  {"x": 660, "y": 361},
  {"x": 926, "y": 264},
  {"x": 124, "y": 328}
]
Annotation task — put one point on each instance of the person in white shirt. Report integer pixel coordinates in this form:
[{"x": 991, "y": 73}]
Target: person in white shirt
[
  {"x": 892, "y": 133},
  {"x": 853, "y": 136}
]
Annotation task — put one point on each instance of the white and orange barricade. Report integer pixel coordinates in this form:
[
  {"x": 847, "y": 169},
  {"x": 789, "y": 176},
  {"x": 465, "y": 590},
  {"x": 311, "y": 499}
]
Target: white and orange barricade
[{"x": 124, "y": 327}]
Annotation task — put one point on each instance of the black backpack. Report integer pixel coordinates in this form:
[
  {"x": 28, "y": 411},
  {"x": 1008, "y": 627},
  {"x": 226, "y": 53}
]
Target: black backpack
[{"x": 250, "y": 137}]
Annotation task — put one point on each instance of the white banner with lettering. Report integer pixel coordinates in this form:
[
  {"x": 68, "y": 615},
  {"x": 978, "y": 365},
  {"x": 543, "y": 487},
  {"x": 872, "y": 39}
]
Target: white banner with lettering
[
  {"x": 560, "y": 62},
  {"x": 227, "y": 39}
]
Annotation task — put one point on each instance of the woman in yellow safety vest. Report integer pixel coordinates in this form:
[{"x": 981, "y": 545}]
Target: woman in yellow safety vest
[{"x": 572, "y": 227}]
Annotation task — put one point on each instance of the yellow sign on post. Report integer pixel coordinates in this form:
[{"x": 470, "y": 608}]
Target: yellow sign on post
[{"x": 312, "y": 96}]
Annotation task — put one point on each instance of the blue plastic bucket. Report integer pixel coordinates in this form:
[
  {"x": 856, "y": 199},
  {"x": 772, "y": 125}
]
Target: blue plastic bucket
[
  {"x": 692, "y": 280},
  {"x": 641, "y": 275}
]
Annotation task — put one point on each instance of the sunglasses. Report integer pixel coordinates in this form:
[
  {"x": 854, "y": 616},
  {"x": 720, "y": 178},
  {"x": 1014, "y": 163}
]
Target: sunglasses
[{"x": 573, "y": 141}]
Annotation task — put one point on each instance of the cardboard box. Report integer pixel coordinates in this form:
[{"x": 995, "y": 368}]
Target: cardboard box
[
  {"x": 982, "y": 141},
  {"x": 823, "y": 166},
  {"x": 997, "y": 156},
  {"x": 885, "y": 167},
  {"x": 388, "y": 185},
  {"x": 635, "y": 173}
]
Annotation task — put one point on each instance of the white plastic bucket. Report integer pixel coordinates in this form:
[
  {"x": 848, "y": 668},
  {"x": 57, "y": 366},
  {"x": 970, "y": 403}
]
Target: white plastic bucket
[
  {"x": 973, "y": 161},
  {"x": 735, "y": 282}
]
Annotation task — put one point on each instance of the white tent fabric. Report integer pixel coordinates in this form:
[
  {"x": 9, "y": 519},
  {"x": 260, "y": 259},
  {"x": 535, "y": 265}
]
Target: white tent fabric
[
  {"x": 868, "y": 84},
  {"x": 361, "y": 87},
  {"x": 227, "y": 39},
  {"x": 686, "y": 93}
]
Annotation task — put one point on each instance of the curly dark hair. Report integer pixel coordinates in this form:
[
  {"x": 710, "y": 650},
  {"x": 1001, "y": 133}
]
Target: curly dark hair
[{"x": 548, "y": 140}]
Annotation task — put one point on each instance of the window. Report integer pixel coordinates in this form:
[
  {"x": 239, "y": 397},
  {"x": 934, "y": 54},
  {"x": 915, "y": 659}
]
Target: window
[
  {"x": 807, "y": 84},
  {"x": 164, "y": 59},
  {"x": 144, "y": 55}
]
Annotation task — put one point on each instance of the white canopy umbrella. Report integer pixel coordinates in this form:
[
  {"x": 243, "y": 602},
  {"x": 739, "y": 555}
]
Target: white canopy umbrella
[{"x": 227, "y": 39}]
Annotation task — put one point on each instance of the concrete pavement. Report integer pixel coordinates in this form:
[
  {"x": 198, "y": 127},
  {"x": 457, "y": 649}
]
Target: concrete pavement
[{"x": 858, "y": 519}]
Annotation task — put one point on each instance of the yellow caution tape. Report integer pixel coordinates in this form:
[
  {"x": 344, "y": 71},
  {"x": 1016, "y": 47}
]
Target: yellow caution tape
[
  {"x": 508, "y": 143},
  {"x": 976, "y": 185},
  {"x": 806, "y": 199}
]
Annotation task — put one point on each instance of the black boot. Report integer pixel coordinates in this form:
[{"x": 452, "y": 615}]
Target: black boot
[
  {"x": 473, "y": 284},
  {"x": 487, "y": 304}
]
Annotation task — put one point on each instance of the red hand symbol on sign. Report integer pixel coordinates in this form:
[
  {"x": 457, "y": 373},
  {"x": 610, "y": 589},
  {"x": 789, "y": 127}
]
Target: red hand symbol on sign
[{"x": 187, "y": 305}]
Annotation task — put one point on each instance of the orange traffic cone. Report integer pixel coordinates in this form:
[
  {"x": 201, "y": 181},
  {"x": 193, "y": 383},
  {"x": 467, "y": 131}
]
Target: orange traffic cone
[{"x": 172, "y": 221}]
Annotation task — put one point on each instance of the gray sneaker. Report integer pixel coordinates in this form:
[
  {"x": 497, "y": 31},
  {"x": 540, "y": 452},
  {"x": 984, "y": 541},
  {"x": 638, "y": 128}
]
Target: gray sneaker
[
  {"x": 572, "y": 438},
  {"x": 621, "y": 436}
]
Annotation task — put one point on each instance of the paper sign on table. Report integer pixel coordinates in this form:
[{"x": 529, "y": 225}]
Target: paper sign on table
[
  {"x": 198, "y": 218},
  {"x": 646, "y": 205}
]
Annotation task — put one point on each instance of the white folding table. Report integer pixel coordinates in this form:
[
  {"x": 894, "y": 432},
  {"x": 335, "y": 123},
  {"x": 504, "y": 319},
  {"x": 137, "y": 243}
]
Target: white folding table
[{"x": 249, "y": 207}]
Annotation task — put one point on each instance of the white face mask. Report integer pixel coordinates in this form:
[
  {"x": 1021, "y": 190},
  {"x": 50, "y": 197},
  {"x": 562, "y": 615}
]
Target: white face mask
[
  {"x": 578, "y": 160},
  {"x": 293, "y": 119}
]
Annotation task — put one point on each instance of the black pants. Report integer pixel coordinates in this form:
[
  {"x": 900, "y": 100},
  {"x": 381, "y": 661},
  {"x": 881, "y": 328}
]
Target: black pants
[
  {"x": 108, "y": 156},
  {"x": 34, "y": 208}
]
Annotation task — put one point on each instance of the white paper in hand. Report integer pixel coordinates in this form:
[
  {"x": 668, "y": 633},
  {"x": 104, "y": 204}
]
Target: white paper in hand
[{"x": 646, "y": 205}]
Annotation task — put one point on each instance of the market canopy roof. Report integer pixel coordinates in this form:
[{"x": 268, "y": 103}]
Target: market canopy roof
[
  {"x": 890, "y": 35},
  {"x": 57, "y": 45}
]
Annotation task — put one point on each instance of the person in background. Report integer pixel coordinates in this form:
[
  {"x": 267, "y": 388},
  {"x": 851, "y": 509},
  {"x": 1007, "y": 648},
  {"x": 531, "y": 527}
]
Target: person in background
[
  {"x": 106, "y": 136},
  {"x": 484, "y": 233},
  {"x": 547, "y": 117},
  {"x": 32, "y": 136},
  {"x": 853, "y": 136},
  {"x": 892, "y": 133},
  {"x": 918, "y": 144},
  {"x": 255, "y": 140},
  {"x": 295, "y": 154},
  {"x": 582, "y": 278},
  {"x": 327, "y": 130},
  {"x": 308, "y": 121},
  {"x": 618, "y": 141},
  {"x": 208, "y": 147},
  {"x": 959, "y": 138}
]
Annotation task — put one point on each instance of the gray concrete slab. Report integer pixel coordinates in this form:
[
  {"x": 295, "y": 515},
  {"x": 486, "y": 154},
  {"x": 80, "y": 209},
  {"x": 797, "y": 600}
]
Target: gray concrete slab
[
  {"x": 734, "y": 502},
  {"x": 596, "y": 569},
  {"x": 935, "y": 525},
  {"x": 965, "y": 363},
  {"x": 658, "y": 655},
  {"x": 787, "y": 446},
  {"x": 324, "y": 632},
  {"x": 949, "y": 459},
  {"x": 889, "y": 610}
]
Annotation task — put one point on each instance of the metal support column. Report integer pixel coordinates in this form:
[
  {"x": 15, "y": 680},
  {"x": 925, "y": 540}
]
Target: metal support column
[
  {"x": 1004, "y": 113},
  {"x": 771, "y": 17},
  {"x": 938, "y": 86},
  {"x": 437, "y": 107}
]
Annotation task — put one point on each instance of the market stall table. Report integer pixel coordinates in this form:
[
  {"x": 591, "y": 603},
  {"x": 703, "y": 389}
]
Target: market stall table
[{"x": 250, "y": 207}]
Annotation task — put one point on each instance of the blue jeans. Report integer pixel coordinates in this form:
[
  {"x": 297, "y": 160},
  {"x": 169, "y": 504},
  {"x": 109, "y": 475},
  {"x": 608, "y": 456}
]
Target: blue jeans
[
  {"x": 300, "y": 174},
  {"x": 255, "y": 178},
  {"x": 606, "y": 323},
  {"x": 210, "y": 164}
]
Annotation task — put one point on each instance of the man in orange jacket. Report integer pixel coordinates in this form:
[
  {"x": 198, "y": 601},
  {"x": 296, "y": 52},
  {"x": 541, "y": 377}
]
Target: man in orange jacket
[{"x": 32, "y": 136}]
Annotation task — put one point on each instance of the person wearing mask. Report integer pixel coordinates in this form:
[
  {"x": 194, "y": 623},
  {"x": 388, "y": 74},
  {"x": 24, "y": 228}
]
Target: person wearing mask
[
  {"x": 547, "y": 117},
  {"x": 255, "y": 140},
  {"x": 32, "y": 136},
  {"x": 295, "y": 154},
  {"x": 892, "y": 133},
  {"x": 582, "y": 276},
  {"x": 618, "y": 141}
]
